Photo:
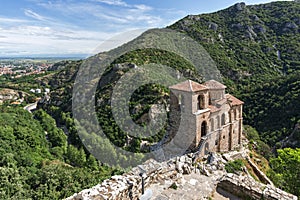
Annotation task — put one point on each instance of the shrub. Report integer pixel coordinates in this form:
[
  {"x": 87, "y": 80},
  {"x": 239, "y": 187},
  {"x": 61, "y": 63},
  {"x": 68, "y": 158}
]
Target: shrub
[{"x": 234, "y": 166}]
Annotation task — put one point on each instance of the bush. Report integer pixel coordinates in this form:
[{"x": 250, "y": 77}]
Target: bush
[
  {"x": 174, "y": 186},
  {"x": 234, "y": 166}
]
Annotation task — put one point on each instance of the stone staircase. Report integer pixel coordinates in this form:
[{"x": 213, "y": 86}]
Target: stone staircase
[{"x": 201, "y": 146}]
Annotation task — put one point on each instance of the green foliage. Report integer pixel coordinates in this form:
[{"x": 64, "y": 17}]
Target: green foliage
[
  {"x": 271, "y": 107},
  {"x": 285, "y": 171},
  {"x": 142, "y": 99},
  {"x": 34, "y": 166},
  {"x": 174, "y": 186},
  {"x": 257, "y": 51},
  {"x": 55, "y": 136},
  {"x": 234, "y": 166},
  {"x": 251, "y": 133},
  {"x": 255, "y": 142}
]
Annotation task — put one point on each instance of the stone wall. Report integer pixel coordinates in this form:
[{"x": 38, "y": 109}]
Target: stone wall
[
  {"x": 247, "y": 188},
  {"x": 128, "y": 186}
]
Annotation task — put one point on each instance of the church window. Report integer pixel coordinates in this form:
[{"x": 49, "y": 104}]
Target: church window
[{"x": 223, "y": 119}]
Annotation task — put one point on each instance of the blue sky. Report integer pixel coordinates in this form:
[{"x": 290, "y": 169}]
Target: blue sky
[{"x": 54, "y": 27}]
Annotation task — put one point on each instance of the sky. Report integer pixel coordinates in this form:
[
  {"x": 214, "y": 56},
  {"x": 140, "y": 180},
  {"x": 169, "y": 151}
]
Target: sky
[{"x": 73, "y": 27}]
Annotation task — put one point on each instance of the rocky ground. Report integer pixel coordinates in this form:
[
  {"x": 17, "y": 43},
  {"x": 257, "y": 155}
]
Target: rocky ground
[{"x": 185, "y": 177}]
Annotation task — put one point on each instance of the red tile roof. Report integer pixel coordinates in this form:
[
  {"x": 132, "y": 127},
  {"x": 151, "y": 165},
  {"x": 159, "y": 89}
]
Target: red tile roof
[
  {"x": 213, "y": 108},
  {"x": 234, "y": 101},
  {"x": 189, "y": 86},
  {"x": 212, "y": 84}
]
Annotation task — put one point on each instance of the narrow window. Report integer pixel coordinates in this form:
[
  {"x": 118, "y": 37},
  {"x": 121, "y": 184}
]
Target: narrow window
[
  {"x": 223, "y": 119},
  {"x": 235, "y": 114},
  {"x": 218, "y": 121},
  {"x": 201, "y": 103},
  {"x": 203, "y": 128},
  {"x": 212, "y": 124}
]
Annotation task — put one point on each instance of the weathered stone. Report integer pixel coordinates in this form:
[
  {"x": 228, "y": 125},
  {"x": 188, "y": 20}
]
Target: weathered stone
[
  {"x": 259, "y": 29},
  {"x": 240, "y": 6},
  {"x": 237, "y": 26},
  {"x": 213, "y": 26},
  {"x": 178, "y": 166},
  {"x": 186, "y": 169}
]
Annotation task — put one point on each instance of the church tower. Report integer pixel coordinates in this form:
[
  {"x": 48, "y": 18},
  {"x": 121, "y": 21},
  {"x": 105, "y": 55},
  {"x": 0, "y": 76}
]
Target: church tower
[{"x": 191, "y": 100}]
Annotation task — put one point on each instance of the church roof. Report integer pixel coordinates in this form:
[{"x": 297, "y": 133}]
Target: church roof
[
  {"x": 212, "y": 84},
  {"x": 189, "y": 86},
  {"x": 234, "y": 101},
  {"x": 213, "y": 108}
]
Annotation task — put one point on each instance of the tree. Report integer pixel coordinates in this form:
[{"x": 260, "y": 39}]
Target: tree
[{"x": 286, "y": 170}]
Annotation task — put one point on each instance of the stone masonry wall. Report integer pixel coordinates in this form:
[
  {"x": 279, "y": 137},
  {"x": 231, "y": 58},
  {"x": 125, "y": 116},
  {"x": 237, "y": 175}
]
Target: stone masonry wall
[
  {"x": 128, "y": 186},
  {"x": 246, "y": 188}
]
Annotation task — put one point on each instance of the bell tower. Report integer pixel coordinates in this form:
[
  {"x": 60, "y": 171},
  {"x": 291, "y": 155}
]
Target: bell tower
[{"x": 191, "y": 100}]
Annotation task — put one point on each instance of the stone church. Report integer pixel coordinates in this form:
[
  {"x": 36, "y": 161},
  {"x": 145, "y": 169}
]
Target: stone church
[{"x": 212, "y": 117}]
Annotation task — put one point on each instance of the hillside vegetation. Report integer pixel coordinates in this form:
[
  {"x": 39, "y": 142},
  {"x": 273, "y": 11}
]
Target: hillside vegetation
[
  {"x": 255, "y": 48},
  {"x": 37, "y": 163}
]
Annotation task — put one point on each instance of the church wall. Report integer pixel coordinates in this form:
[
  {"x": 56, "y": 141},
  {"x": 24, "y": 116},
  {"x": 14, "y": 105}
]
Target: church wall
[
  {"x": 200, "y": 118},
  {"x": 195, "y": 100},
  {"x": 224, "y": 139},
  {"x": 223, "y": 127},
  {"x": 217, "y": 94}
]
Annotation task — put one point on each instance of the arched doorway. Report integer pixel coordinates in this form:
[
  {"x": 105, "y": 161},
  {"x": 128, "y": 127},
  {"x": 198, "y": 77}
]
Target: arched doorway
[{"x": 203, "y": 129}]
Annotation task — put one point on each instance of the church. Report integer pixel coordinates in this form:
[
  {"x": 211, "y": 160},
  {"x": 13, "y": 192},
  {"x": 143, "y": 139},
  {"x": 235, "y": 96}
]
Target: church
[{"x": 213, "y": 118}]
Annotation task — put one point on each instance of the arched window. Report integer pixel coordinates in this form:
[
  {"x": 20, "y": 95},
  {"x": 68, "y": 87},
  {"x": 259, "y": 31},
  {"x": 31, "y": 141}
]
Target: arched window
[
  {"x": 235, "y": 114},
  {"x": 218, "y": 122},
  {"x": 201, "y": 102},
  {"x": 212, "y": 125},
  {"x": 223, "y": 119},
  {"x": 181, "y": 102},
  {"x": 180, "y": 99},
  {"x": 203, "y": 128}
]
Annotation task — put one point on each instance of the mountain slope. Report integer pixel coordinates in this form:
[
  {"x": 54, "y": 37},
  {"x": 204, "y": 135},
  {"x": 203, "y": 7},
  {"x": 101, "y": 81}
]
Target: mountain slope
[
  {"x": 249, "y": 43},
  {"x": 257, "y": 50}
]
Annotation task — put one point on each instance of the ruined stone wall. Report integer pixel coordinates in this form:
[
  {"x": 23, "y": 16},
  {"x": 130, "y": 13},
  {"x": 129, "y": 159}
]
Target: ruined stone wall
[
  {"x": 128, "y": 186},
  {"x": 246, "y": 188}
]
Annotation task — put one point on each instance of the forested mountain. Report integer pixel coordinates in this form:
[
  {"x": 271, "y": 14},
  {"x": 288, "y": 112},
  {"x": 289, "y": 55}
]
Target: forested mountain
[{"x": 256, "y": 48}]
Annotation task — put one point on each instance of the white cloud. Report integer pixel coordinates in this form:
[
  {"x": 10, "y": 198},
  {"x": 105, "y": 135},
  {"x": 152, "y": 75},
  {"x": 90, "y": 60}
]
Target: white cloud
[
  {"x": 113, "y": 2},
  {"x": 131, "y": 16},
  {"x": 143, "y": 7},
  {"x": 28, "y": 39},
  {"x": 73, "y": 27},
  {"x": 34, "y": 15},
  {"x": 5, "y": 20}
]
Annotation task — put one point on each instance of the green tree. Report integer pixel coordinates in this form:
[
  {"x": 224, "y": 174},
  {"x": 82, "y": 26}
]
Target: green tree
[{"x": 286, "y": 170}]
